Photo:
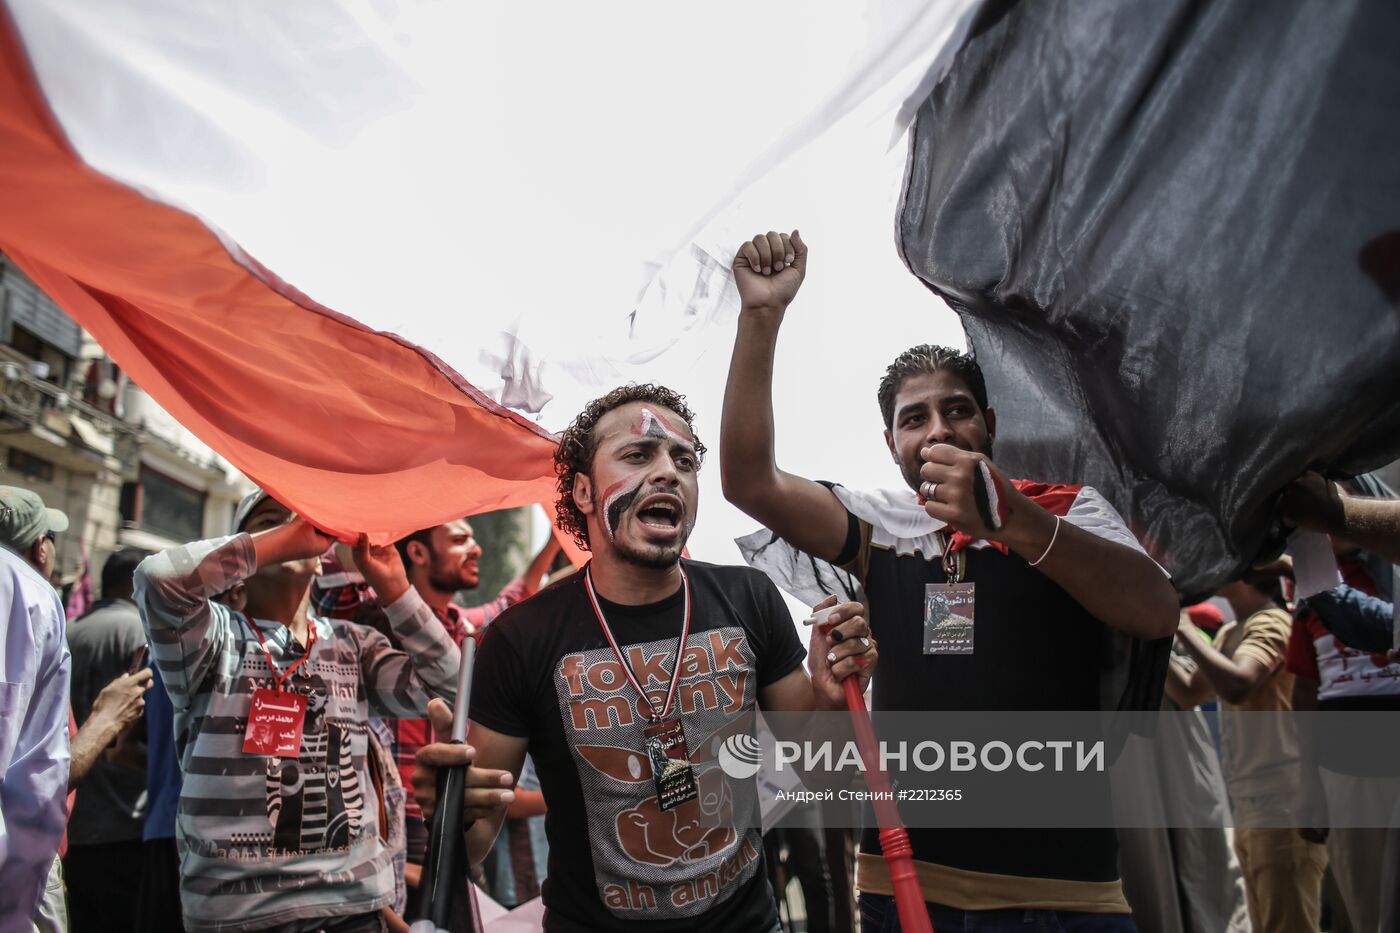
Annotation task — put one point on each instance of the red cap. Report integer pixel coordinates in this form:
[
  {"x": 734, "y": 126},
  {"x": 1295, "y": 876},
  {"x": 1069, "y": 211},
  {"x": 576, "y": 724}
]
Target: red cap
[{"x": 1206, "y": 616}]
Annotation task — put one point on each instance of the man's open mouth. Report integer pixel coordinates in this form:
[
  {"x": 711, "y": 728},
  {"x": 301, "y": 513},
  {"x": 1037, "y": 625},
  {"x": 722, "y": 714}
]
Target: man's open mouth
[{"x": 662, "y": 512}]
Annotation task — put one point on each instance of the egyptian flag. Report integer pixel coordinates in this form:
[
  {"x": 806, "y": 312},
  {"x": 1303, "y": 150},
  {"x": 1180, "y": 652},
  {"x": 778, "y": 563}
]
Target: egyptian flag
[
  {"x": 378, "y": 255},
  {"x": 1172, "y": 231}
]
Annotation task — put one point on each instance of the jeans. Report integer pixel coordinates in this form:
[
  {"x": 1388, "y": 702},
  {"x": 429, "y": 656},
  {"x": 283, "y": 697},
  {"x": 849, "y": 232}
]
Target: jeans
[{"x": 879, "y": 915}]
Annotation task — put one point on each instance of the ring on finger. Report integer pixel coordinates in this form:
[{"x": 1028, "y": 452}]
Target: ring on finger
[
  {"x": 930, "y": 490},
  {"x": 864, "y": 642}
]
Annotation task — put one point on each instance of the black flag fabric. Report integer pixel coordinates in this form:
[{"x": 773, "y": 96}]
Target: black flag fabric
[{"x": 1172, "y": 231}]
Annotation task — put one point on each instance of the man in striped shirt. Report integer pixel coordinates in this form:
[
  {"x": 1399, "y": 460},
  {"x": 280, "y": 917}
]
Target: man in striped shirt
[
  {"x": 280, "y": 838},
  {"x": 440, "y": 562}
]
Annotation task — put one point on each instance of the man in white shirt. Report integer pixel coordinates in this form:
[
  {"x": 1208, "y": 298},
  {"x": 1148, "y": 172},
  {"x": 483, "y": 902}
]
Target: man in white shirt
[{"x": 33, "y": 705}]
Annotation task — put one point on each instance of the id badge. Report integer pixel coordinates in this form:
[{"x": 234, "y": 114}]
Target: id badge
[
  {"x": 670, "y": 763},
  {"x": 948, "y": 618},
  {"x": 274, "y": 724}
]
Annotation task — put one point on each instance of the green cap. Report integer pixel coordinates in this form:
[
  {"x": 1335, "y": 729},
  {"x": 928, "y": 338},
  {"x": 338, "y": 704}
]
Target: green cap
[{"x": 24, "y": 518}]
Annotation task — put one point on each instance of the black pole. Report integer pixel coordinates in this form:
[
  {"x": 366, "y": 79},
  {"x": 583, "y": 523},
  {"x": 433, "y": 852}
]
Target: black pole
[{"x": 445, "y": 899}]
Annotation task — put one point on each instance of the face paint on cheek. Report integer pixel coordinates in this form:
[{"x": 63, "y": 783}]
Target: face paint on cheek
[{"x": 616, "y": 500}]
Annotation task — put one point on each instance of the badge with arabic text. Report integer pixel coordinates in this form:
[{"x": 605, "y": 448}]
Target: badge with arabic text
[
  {"x": 670, "y": 763},
  {"x": 274, "y": 724},
  {"x": 948, "y": 618}
]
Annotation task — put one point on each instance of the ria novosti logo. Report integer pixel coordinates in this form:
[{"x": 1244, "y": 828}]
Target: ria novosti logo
[{"x": 740, "y": 756}]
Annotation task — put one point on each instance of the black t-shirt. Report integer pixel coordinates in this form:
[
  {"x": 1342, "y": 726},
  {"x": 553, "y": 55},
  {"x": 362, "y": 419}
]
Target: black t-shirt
[
  {"x": 1036, "y": 648},
  {"x": 616, "y": 861}
]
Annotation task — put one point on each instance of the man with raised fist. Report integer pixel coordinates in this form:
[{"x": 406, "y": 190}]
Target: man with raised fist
[{"x": 985, "y": 593}]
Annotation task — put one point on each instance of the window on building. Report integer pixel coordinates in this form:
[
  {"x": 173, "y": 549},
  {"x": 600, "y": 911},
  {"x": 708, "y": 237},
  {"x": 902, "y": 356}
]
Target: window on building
[
  {"x": 38, "y": 349},
  {"x": 130, "y": 504},
  {"x": 30, "y": 466},
  {"x": 168, "y": 507}
]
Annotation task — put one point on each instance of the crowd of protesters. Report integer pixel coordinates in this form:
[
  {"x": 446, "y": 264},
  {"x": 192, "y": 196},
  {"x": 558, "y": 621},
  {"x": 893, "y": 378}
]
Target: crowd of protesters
[{"x": 244, "y": 733}]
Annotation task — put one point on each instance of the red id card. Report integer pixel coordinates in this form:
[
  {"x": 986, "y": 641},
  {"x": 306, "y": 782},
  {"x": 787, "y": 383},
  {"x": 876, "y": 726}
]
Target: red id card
[{"x": 274, "y": 724}]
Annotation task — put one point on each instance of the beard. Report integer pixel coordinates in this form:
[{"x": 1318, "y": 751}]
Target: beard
[
  {"x": 652, "y": 556},
  {"x": 449, "y": 581},
  {"x": 911, "y": 475}
]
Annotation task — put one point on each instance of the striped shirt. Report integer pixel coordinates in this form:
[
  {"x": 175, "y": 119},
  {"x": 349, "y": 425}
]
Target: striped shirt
[
  {"x": 267, "y": 842},
  {"x": 344, "y": 594}
]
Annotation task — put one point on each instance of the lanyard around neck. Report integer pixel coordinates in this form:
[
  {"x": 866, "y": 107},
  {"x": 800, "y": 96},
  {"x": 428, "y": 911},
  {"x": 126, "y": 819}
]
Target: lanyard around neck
[
  {"x": 310, "y": 641},
  {"x": 656, "y": 714},
  {"x": 954, "y": 562}
]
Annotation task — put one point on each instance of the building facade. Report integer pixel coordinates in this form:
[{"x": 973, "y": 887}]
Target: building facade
[{"x": 75, "y": 430}]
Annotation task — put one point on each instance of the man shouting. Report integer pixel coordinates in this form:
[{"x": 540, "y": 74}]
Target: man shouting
[{"x": 621, "y": 680}]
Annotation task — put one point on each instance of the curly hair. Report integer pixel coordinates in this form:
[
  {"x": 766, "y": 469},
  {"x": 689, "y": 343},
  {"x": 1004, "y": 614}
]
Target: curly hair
[
  {"x": 577, "y": 445},
  {"x": 928, "y": 358}
]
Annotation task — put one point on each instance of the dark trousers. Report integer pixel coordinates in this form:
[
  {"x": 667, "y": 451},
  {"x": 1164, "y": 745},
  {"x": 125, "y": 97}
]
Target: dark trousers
[
  {"x": 807, "y": 862},
  {"x": 840, "y": 862},
  {"x": 878, "y": 914},
  {"x": 103, "y": 882},
  {"x": 158, "y": 906}
]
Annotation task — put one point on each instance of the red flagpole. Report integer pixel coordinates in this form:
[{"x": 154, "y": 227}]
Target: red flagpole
[{"x": 894, "y": 841}]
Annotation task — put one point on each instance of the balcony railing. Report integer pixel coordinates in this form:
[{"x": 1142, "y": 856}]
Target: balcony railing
[{"x": 27, "y": 398}]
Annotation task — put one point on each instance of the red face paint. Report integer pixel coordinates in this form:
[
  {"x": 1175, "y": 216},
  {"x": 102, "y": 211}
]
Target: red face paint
[{"x": 617, "y": 498}]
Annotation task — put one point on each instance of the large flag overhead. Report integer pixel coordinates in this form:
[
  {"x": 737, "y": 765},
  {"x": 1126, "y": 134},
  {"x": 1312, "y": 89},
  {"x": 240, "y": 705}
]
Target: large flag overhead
[
  {"x": 1172, "y": 230},
  {"x": 376, "y": 254}
]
